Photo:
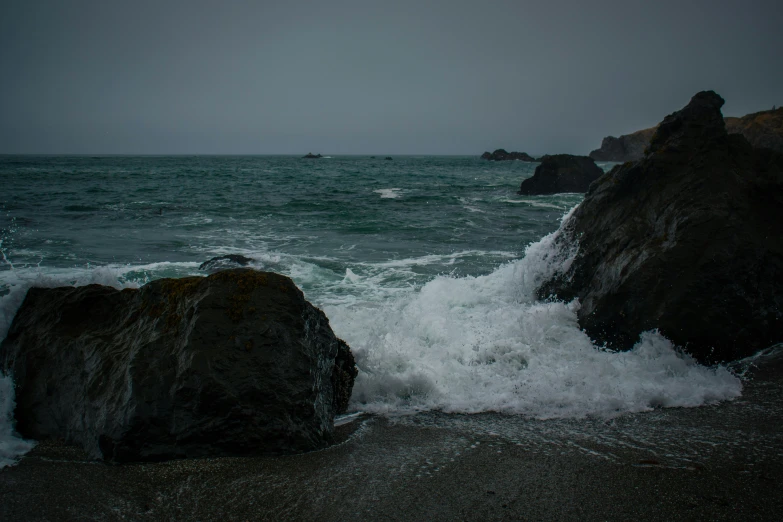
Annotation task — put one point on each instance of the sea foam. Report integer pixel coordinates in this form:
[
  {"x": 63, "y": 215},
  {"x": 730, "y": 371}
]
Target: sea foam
[
  {"x": 453, "y": 344},
  {"x": 474, "y": 344}
]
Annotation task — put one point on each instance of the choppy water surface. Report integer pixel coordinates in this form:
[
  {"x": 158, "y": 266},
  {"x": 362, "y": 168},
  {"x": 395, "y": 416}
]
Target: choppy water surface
[{"x": 426, "y": 266}]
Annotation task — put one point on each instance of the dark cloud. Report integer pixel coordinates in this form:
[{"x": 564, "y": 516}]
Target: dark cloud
[{"x": 451, "y": 77}]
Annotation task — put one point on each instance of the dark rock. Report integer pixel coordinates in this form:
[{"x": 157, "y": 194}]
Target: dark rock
[
  {"x": 561, "y": 173},
  {"x": 502, "y": 155},
  {"x": 629, "y": 147},
  {"x": 310, "y": 155},
  {"x": 389, "y": 158},
  {"x": 224, "y": 262},
  {"x": 761, "y": 129},
  {"x": 688, "y": 240},
  {"x": 231, "y": 364}
]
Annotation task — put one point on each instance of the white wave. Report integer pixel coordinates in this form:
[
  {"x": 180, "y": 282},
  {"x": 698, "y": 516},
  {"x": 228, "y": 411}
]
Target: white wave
[
  {"x": 12, "y": 446},
  {"x": 351, "y": 277},
  {"x": 388, "y": 193},
  {"x": 484, "y": 343},
  {"x": 532, "y": 203},
  {"x": 433, "y": 259}
]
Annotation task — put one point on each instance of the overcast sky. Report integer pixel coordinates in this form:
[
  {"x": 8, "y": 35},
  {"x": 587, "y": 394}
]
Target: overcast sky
[{"x": 367, "y": 77}]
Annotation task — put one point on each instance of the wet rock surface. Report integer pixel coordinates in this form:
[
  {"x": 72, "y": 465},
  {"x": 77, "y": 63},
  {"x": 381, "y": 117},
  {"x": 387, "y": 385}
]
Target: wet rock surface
[
  {"x": 561, "y": 173},
  {"x": 224, "y": 262},
  {"x": 688, "y": 240},
  {"x": 235, "y": 363}
]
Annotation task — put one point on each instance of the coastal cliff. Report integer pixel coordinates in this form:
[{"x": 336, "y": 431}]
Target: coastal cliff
[{"x": 761, "y": 129}]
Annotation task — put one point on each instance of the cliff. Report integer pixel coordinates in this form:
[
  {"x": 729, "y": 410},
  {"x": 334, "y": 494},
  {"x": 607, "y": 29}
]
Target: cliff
[{"x": 761, "y": 129}]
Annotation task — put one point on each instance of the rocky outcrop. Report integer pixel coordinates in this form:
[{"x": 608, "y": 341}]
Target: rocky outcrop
[
  {"x": 502, "y": 155},
  {"x": 231, "y": 364},
  {"x": 561, "y": 173},
  {"x": 310, "y": 155},
  {"x": 224, "y": 262},
  {"x": 629, "y": 147},
  {"x": 688, "y": 240},
  {"x": 761, "y": 129}
]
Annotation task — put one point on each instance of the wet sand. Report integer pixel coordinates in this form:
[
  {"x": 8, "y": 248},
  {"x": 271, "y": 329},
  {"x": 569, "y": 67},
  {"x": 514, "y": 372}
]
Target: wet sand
[{"x": 721, "y": 462}]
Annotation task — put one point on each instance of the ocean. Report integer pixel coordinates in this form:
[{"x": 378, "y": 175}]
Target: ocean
[{"x": 427, "y": 266}]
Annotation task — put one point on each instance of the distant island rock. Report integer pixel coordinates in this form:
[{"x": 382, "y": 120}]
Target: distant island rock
[
  {"x": 761, "y": 129},
  {"x": 503, "y": 155},
  {"x": 687, "y": 240},
  {"x": 561, "y": 173},
  {"x": 310, "y": 155},
  {"x": 236, "y": 363},
  {"x": 388, "y": 158}
]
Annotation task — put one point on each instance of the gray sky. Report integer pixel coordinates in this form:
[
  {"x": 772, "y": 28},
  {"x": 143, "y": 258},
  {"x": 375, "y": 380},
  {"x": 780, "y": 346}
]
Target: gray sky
[{"x": 367, "y": 77}]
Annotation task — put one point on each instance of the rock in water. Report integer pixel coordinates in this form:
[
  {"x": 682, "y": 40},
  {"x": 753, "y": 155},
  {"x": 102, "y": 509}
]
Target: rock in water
[
  {"x": 223, "y": 262},
  {"x": 231, "y": 364},
  {"x": 688, "y": 240},
  {"x": 561, "y": 173},
  {"x": 503, "y": 155}
]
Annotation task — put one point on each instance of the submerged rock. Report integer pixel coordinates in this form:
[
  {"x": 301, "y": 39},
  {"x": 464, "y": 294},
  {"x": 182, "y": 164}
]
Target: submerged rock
[
  {"x": 688, "y": 240},
  {"x": 231, "y": 364},
  {"x": 224, "y": 262},
  {"x": 503, "y": 155},
  {"x": 561, "y": 173}
]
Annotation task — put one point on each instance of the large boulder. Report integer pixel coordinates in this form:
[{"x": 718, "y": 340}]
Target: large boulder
[
  {"x": 561, "y": 173},
  {"x": 688, "y": 240},
  {"x": 231, "y": 364},
  {"x": 503, "y": 155}
]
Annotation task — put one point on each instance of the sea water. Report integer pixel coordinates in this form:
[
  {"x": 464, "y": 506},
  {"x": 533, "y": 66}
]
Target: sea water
[{"x": 426, "y": 266}]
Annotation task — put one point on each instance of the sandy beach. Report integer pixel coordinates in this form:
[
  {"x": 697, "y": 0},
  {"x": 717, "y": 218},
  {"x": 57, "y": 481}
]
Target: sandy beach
[{"x": 722, "y": 462}]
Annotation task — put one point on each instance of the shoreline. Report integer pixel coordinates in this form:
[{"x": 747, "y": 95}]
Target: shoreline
[{"x": 708, "y": 463}]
